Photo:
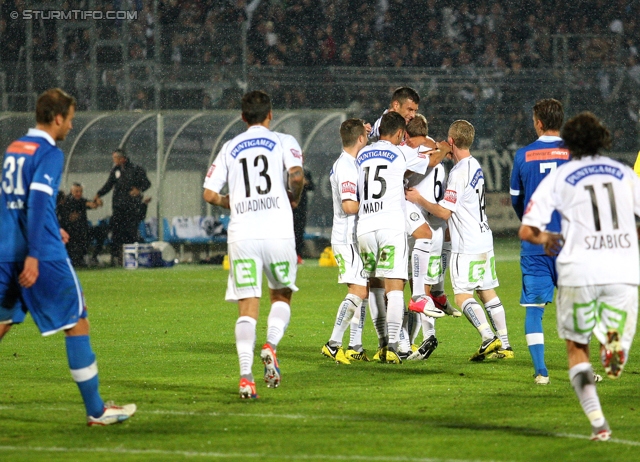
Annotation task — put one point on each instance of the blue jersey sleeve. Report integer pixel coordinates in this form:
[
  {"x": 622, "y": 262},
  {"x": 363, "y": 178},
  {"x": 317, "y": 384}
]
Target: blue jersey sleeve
[
  {"x": 517, "y": 187},
  {"x": 42, "y": 224}
]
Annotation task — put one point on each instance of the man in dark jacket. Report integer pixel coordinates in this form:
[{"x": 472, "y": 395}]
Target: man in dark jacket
[
  {"x": 72, "y": 214},
  {"x": 128, "y": 182}
]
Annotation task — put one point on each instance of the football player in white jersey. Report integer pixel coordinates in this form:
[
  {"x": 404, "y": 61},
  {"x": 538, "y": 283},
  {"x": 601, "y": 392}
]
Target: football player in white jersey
[
  {"x": 597, "y": 262},
  {"x": 472, "y": 265},
  {"x": 260, "y": 235},
  {"x": 344, "y": 243},
  {"x": 428, "y": 267},
  {"x": 381, "y": 222},
  {"x": 404, "y": 101}
]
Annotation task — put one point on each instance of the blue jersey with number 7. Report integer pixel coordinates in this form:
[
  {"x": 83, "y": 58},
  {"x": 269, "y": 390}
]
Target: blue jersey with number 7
[{"x": 530, "y": 165}]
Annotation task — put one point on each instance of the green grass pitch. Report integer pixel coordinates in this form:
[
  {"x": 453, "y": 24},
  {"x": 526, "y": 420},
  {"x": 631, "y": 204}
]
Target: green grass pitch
[{"x": 164, "y": 339}]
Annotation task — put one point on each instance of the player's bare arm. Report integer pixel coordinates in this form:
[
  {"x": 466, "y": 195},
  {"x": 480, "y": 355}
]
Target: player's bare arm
[
  {"x": 214, "y": 198},
  {"x": 296, "y": 184},
  {"x": 443, "y": 149},
  {"x": 412, "y": 195},
  {"x": 551, "y": 242},
  {"x": 350, "y": 207}
]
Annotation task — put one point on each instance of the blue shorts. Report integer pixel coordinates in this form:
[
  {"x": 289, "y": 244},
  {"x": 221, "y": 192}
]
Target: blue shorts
[
  {"x": 539, "y": 279},
  {"x": 55, "y": 301}
]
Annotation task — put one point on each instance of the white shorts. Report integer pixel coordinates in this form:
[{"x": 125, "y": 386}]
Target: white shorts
[
  {"x": 582, "y": 311},
  {"x": 384, "y": 253},
  {"x": 249, "y": 258},
  {"x": 413, "y": 217},
  {"x": 434, "y": 272},
  {"x": 473, "y": 272},
  {"x": 350, "y": 268}
]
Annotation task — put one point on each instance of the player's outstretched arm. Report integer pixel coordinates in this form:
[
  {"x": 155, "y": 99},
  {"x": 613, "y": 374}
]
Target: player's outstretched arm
[
  {"x": 552, "y": 242},
  {"x": 296, "y": 184},
  {"x": 214, "y": 198}
]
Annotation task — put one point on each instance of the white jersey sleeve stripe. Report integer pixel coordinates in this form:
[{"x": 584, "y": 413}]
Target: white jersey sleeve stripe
[{"x": 45, "y": 188}]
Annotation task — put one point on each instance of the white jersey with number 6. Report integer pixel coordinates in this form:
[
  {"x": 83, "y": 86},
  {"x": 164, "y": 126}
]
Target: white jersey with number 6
[
  {"x": 253, "y": 165},
  {"x": 431, "y": 186},
  {"x": 597, "y": 198},
  {"x": 381, "y": 188},
  {"x": 465, "y": 197}
]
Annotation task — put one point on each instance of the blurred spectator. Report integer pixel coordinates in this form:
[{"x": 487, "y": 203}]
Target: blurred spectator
[
  {"x": 72, "y": 213},
  {"x": 300, "y": 216}
]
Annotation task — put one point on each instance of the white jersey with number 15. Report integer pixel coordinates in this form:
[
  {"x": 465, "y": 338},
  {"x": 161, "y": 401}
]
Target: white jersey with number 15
[{"x": 381, "y": 188}]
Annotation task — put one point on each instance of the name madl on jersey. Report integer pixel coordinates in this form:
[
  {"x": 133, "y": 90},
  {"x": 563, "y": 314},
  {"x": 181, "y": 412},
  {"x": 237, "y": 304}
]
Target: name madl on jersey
[
  {"x": 372, "y": 207},
  {"x": 255, "y": 205}
]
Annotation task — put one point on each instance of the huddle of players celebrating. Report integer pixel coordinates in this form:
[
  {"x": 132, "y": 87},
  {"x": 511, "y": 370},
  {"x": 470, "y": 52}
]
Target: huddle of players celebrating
[
  {"x": 571, "y": 240},
  {"x": 392, "y": 198},
  {"x": 395, "y": 187}
]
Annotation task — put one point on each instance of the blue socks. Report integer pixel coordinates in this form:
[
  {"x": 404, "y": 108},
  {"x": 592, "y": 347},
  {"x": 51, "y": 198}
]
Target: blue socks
[
  {"x": 535, "y": 338},
  {"x": 84, "y": 370}
]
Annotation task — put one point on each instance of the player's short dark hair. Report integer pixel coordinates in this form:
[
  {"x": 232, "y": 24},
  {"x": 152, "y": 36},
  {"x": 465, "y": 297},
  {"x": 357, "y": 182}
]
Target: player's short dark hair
[
  {"x": 418, "y": 126},
  {"x": 585, "y": 135},
  {"x": 256, "y": 106},
  {"x": 350, "y": 130},
  {"x": 549, "y": 111},
  {"x": 77, "y": 185},
  {"x": 51, "y": 103},
  {"x": 462, "y": 133},
  {"x": 391, "y": 122},
  {"x": 120, "y": 151},
  {"x": 402, "y": 94}
]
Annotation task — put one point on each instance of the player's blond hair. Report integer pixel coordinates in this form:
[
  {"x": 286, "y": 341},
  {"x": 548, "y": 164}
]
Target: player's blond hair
[
  {"x": 462, "y": 133},
  {"x": 418, "y": 126}
]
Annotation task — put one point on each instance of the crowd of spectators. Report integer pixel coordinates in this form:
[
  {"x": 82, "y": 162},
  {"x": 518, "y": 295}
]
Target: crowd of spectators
[{"x": 491, "y": 46}]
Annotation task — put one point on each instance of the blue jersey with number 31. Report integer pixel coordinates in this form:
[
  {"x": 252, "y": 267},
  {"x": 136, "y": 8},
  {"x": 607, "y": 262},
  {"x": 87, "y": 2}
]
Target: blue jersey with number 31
[
  {"x": 530, "y": 165},
  {"x": 31, "y": 171}
]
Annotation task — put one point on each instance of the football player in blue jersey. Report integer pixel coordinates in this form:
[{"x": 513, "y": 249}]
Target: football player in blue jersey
[
  {"x": 530, "y": 165},
  {"x": 36, "y": 274}
]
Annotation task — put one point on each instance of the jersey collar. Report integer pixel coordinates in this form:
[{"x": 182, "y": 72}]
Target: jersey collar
[
  {"x": 549, "y": 138},
  {"x": 41, "y": 134}
]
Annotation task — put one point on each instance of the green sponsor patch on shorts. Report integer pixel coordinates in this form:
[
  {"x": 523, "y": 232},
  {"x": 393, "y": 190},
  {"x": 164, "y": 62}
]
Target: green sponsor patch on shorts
[
  {"x": 244, "y": 273},
  {"x": 368, "y": 261},
  {"x": 341, "y": 263},
  {"x": 387, "y": 257},
  {"x": 280, "y": 271},
  {"x": 587, "y": 315},
  {"x": 435, "y": 266}
]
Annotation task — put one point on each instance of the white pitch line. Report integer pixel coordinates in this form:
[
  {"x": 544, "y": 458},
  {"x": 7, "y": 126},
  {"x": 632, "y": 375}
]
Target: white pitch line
[
  {"x": 325, "y": 417},
  {"x": 231, "y": 455}
]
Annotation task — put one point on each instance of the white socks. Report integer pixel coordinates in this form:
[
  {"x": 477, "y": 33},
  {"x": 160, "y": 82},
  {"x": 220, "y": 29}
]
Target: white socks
[
  {"x": 245, "y": 343},
  {"x": 346, "y": 312},
  {"x": 277, "y": 322},
  {"x": 498, "y": 320}
]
